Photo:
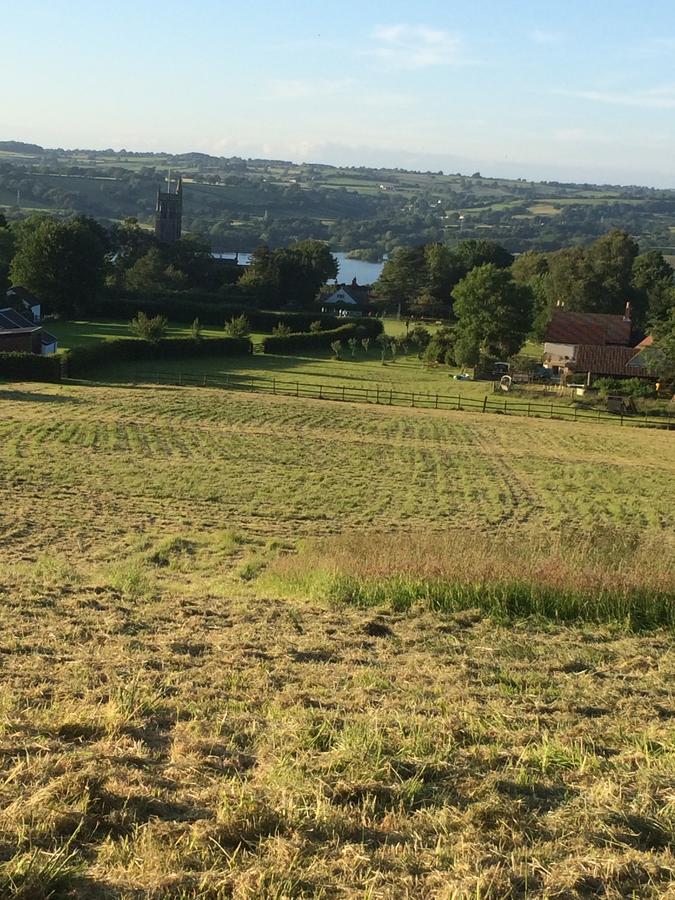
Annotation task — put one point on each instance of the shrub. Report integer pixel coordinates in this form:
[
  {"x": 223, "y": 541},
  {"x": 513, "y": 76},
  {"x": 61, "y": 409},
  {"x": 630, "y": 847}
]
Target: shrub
[
  {"x": 29, "y": 367},
  {"x": 336, "y": 347},
  {"x": 211, "y": 309},
  {"x": 196, "y": 330},
  {"x": 238, "y": 327},
  {"x": 315, "y": 325},
  {"x": 281, "y": 328},
  {"x": 83, "y": 360},
  {"x": 299, "y": 342},
  {"x": 627, "y": 387},
  {"x": 149, "y": 329}
]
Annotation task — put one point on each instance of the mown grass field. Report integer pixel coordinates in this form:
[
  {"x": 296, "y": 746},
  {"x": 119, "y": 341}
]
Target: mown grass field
[{"x": 182, "y": 715}]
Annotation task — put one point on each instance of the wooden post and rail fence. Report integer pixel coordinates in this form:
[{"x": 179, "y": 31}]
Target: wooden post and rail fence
[{"x": 414, "y": 399}]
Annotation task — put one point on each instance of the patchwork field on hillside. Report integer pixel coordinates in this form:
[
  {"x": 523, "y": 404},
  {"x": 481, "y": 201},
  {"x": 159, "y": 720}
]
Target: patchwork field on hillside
[{"x": 175, "y": 721}]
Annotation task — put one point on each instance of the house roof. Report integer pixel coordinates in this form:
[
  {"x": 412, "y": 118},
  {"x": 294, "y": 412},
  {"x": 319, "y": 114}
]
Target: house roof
[
  {"x": 20, "y": 293},
  {"x": 607, "y": 361},
  {"x": 12, "y": 320},
  {"x": 592, "y": 329},
  {"x": 647, "y": 342},
  {"x": 357, "y": 293}
]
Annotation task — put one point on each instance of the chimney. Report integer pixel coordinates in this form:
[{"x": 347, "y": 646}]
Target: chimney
[{"x": 628, "y": 315}]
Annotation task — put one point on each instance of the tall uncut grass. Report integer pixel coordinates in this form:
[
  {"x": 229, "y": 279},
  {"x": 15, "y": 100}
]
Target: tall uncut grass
[{"x": 609, "y": 577}]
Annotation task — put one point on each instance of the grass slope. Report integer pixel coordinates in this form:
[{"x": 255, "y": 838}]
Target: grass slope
[{"x": 171, "y": 727}]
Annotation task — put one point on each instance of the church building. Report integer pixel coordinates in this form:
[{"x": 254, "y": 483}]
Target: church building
[{"x": 169, "y": 212}]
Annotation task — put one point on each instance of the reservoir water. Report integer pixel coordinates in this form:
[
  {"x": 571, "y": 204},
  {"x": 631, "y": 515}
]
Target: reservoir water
[{"x": 364, "y": 272}]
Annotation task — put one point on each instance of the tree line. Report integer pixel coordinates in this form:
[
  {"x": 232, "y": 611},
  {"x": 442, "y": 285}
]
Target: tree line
[{"x": 496, "y": 301}]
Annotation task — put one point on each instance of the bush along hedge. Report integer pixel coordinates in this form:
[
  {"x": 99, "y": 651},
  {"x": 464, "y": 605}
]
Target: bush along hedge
[
  {"x": 29, "y": 367},
  {"x": 210, "y": 309},
  {"x": 84, "y": 360},
  {"x": 319, "y": 340}
]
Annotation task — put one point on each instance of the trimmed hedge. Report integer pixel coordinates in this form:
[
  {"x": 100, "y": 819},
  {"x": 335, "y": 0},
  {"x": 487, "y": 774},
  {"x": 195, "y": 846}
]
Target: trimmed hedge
[
  {"x": 210, "y": 309},
  {"x": 82, "y": 360},
  {"x": 319, "y": 340},
  {"x": 29, "y": 367}
]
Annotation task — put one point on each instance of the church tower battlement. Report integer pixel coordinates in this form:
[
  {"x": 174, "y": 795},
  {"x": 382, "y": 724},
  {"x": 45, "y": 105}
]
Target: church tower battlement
[{"x": 169, "y": 212}]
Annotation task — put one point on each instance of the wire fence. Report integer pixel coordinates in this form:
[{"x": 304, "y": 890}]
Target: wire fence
[{"x": 382, "y": 396}]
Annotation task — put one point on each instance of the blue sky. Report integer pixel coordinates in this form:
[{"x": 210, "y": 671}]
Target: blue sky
[{"x": 576, "y": 91}]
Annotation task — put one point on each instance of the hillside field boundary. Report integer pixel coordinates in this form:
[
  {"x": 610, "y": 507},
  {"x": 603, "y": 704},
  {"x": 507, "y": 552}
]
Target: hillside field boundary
[{"x": 380, "y": 396}]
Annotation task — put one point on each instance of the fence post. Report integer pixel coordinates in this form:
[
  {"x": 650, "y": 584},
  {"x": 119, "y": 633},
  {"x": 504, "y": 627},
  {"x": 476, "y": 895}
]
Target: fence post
[
  {"x": 390, "y": 398},
  {"x": 459, "y": 402},
  {"x": 297, "y": 388},
  {"x": 320, "y": 392},
  {"x": 377, "y": 395},
  {"x": 529, "y": 407},
  {"x": 205, "y": 379},
  {"x": 551, "y": 414},
  {"x": 621, "y": 422},
  {"x": 343, "y": 392},
  {"x": 436, "y": 401},
  {"x": 274, "y": 385},
  {"x": 484, "y": 403},
  {"x": 412, "y": 399}
]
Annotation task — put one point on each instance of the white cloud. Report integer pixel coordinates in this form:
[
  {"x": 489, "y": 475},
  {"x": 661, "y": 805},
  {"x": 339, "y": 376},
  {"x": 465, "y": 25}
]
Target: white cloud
[
  {"x": 300, "y": 89},
  {"x": 417, "y": 46},
  {"x": 652, "y": 98}
]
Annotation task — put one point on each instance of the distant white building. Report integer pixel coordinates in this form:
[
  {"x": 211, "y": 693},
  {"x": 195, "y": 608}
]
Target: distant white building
[{"x": 347, "y": 300}]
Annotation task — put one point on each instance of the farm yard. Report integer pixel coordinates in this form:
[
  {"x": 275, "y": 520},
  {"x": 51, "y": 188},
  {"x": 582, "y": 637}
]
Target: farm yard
[{"x": 229, "y": 669}]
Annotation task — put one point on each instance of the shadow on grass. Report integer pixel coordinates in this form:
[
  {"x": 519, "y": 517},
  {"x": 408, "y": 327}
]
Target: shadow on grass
[{"x": 36, "y": 397}]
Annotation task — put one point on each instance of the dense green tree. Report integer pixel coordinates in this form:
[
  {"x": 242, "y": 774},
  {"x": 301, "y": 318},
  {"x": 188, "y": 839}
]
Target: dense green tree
[
  {"x": 147, "y": 328},
  {"x": 494, "y": 314},
  {"x": 573, "y": 283},
  {"x": 403, "y": 278},
  {"x": 7, "y": 246},
  {"x": 531, "y": 270},
  {"x": 662, "y": 353},
  {"x": 472, "y": 253},
  {"x": 652, "y": 280},
  {"x": 62, "y": 263},
  {"x": 611, "y": 258},
  {"x": 529, "y": 266},
  {"x": 290, "y": 276},
  {"x": 147, "y": 273}
]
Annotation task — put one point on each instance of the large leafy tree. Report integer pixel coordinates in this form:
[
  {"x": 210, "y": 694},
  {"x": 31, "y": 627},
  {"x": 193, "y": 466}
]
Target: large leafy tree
[
  {"x": 494, "y": 314},
  {"x": 403, "y": 277},
  {"x": 472, "y": 253},
  {"x": 652, "y": 281},
  {"x": 62, "y": 263},
  {"x": 611, "y": 258},
  {"x": 662, "y": 353},
  {"x": 6, "y": 253},
  {"x": 290, "y": 276}
]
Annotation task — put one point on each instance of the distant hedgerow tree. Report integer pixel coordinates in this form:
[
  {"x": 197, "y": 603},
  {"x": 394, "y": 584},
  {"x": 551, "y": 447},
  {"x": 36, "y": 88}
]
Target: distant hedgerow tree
[
  {"x": 365, "y": 343},
  {"x": 281, "y": 329},
  {"x": 149, "y": 329},
  {"x": 336, "y": 347},
  {"x": 353, "y": 344},
  {"x": 196, "y": 330},
  {"x": 383, "y": 340},
  {"x": 238, "y": 327},
  {"x": 315, "y": 326}
]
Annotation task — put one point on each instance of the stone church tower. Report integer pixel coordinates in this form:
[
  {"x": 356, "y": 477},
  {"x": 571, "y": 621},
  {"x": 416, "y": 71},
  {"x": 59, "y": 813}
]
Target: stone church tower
[{"x": 169, "y": 212}]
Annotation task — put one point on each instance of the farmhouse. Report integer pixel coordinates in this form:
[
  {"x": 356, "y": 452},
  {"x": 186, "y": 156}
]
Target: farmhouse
[
  {"x": 347, "y": 300},
  {"x": 595, "y": 343},
  {"x": 19, "y": 334}
]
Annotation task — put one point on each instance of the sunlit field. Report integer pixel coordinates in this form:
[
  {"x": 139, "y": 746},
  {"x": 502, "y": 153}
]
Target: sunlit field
[{"x": 254, "y": 646}]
